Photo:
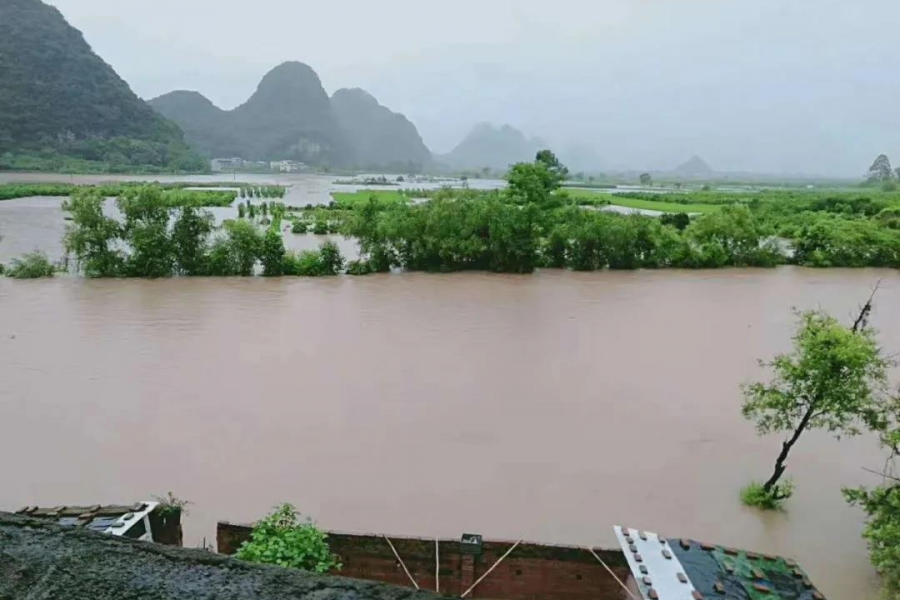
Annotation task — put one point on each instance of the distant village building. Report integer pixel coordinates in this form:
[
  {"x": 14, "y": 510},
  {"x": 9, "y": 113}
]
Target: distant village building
[
  {"x": 226, "y": 164},
  {"x": 286, "y": 166}
]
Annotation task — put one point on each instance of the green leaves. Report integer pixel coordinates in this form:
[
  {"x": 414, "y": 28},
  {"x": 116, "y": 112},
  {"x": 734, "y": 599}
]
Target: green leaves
[
  {"x": 882, "y": 531},
  {"x": 33, "y": 265},
  {"x": 837, "y": 376},
  {"x": 283, "y": 539}
]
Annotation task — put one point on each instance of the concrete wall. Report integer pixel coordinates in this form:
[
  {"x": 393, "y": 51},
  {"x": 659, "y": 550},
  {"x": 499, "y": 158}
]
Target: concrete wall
[{"x": 531, "y": 572}]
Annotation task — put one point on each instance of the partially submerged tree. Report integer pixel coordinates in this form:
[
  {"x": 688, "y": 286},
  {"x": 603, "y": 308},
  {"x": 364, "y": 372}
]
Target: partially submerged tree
[
  {"x": 646, "y": 179},
  {"x": 834, "y": 379},
  {"x": 882, "y": 507}
]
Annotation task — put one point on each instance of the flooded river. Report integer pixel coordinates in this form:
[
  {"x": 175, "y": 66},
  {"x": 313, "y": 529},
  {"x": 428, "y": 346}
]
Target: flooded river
[{"x": 544, "y": 407}]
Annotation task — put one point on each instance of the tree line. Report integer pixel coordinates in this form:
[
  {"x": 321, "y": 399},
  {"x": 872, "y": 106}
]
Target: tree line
[
  {"x": 835, "y": 379},
  {"x": 155, "y": 239}
]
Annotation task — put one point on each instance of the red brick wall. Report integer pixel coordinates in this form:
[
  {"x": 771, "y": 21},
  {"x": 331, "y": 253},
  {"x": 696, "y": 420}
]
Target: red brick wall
[{"x": 531, "y": 572}]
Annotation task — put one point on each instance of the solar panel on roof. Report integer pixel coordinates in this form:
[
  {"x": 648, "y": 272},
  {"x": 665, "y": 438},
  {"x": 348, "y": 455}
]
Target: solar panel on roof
[
  {"x": 68, "y": 521},
  {"x": 101, "y": 523}
]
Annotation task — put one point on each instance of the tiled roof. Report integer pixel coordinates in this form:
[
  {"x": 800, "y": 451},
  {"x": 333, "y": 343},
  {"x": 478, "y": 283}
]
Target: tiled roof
[{"x": 96, "y": 517}]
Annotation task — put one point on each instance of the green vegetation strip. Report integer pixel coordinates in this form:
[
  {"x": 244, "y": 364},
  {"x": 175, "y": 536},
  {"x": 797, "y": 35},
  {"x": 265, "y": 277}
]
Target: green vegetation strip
[
  {"x": 666, "y": 207},
  {"x": 352, "y": 199},
  {"x": 172, "y": 194}
]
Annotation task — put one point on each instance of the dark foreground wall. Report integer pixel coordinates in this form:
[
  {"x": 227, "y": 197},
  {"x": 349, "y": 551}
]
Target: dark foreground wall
[
  {"x": 531, "y": 571},
  {"x": 43, "y": 560}
]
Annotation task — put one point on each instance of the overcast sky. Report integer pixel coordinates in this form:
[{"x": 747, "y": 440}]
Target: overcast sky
[{"x": 750, "y": 85}]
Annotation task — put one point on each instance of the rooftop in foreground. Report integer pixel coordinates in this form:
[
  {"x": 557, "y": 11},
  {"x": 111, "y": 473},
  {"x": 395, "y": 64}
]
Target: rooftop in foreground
[{"x": 41, "y": 559}]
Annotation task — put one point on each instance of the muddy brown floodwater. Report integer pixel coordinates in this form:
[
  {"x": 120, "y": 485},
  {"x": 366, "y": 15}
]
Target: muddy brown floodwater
[{"x": 546, "y": 407}]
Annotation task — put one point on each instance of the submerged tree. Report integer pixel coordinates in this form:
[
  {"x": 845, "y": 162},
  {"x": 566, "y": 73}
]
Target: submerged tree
[
  {"x": 834, "y": 379},
  {"x": 646, "y": 179},
  {"x": 92, "y": 236},
  {"x": 882, "y": 507}
]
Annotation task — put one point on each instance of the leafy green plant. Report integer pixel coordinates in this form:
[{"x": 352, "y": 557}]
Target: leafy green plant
[
  {"x": 755, "y": 494},
  {"x": 834, "y": 379},
  {"x": 359, "y": 267},
  {"x": 283, "y": 539},
  {"x": 882, "y": 531},
  {"x": 272, "y": 256},
  {"x": 331, "y": 259},
  {"x": 299, "y": 227},
  {"x": 170, "y": 504},
  {"x": 33, "y": 265}
]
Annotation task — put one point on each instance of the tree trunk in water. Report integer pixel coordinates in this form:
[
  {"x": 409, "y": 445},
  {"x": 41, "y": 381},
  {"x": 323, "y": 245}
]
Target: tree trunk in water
[
  {"x": 859, "y": 324},
  {"x": 786, "y": 448}
]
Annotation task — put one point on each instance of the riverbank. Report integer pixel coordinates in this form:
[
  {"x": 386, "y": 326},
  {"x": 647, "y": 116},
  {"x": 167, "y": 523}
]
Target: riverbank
[{"x": 321, "y": 387}]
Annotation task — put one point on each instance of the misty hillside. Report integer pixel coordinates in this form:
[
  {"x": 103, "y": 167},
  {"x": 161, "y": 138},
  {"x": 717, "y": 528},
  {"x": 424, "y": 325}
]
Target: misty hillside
[
  {"x": 694, "y": 168},
  {"x": 378, "y": 135},
  {"x": 58, "y": 97},
  {"x": 494, "y": 147},
  {"x": 290, "y": 116}
]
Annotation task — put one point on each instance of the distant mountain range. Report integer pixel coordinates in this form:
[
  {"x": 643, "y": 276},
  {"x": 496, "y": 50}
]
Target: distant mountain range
[
  {"x": 60, "y": 101},
  {"x": 290, "y": 116},
  {"x": 487, "y": 146}
]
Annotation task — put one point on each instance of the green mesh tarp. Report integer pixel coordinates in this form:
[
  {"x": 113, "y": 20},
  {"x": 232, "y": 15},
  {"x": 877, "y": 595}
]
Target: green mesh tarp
[{"x": 737, "y": 575}]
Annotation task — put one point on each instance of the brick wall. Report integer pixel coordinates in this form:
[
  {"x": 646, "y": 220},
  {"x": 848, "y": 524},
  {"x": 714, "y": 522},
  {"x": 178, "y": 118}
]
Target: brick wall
[{"x": 531, "y": 572}]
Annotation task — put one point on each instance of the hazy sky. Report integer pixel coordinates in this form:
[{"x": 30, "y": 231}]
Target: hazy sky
[{"x": 758, "y": 85}]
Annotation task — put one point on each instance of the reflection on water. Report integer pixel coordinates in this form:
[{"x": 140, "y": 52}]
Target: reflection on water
[{"x": 544, "y": 407}]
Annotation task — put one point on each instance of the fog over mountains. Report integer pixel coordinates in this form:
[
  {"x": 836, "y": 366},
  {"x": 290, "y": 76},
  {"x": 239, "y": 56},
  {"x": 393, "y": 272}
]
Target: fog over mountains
[{"x": 751, "y": 86}]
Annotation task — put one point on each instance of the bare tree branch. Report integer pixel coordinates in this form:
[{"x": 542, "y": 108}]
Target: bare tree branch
[
  {"x": 880, "y": 474},
  {"x": 863, "y": 318}
]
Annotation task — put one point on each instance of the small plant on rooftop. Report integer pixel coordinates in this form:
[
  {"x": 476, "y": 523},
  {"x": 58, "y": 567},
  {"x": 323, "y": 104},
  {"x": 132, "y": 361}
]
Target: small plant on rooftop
[
  {"x": 757, "y": 496},
  {"x": 170, "y": 504},
  {"x": 284, "y": 539}
]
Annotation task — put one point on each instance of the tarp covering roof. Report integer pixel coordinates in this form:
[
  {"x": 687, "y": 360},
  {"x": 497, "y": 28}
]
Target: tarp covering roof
[{"x": 671, "y": 569}]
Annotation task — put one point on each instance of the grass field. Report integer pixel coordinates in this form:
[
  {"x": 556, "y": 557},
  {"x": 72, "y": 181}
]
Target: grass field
[
  {"x": 596, "y": 198},
  {"x": 667, "y": 207},
  {"x": 349, "y": 199}
]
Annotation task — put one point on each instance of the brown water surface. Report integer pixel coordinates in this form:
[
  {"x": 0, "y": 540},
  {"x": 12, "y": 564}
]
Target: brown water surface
[{"x": 545, "y": 407}]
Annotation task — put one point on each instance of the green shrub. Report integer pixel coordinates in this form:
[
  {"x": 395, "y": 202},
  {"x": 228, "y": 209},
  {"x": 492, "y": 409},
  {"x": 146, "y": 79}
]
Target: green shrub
[
  {"x": 331, "y": 259},
  {"x": 882, "y": 531},
  {"x": 299, "y": 227},
  {"x": 320, "y": 228},
  {"x": 33, "y": 265},
  {"x": 359, "y": 267},
  {"x": 283, "y": 539},
  {"x": 756, "y": 495},
  {"x": 272, "y": 256},
  {"x": 307, "y": 263}
]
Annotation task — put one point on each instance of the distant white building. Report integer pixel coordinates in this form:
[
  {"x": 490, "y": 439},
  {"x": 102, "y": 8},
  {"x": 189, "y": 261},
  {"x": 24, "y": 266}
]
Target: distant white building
[
  {"x": 226, "y": 164},
  {"x": 286, "y": 166}
]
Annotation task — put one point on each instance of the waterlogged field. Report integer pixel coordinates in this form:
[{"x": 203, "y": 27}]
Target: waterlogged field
[{"x": 354, "y": 199}]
